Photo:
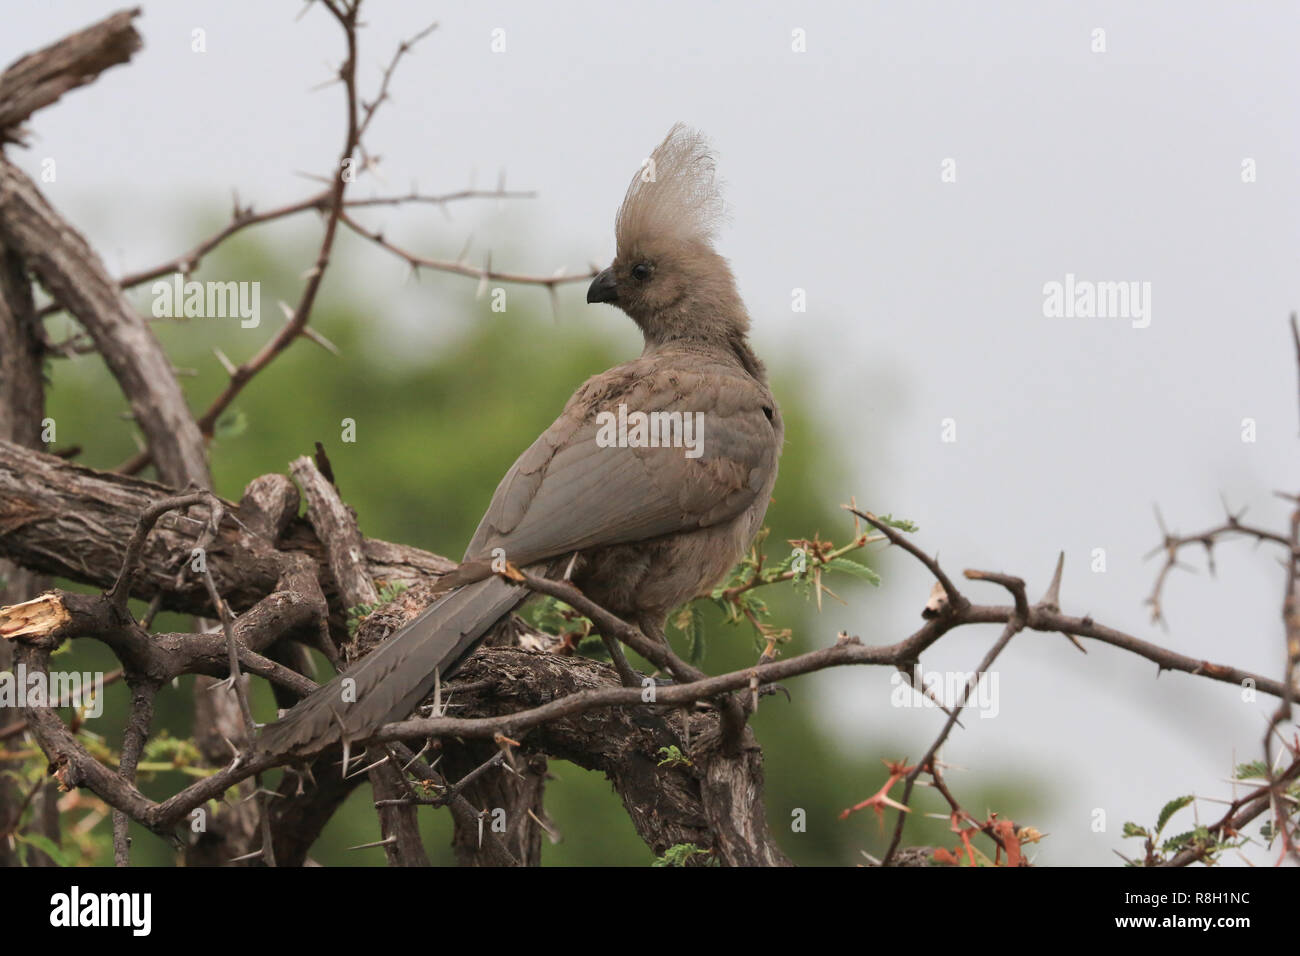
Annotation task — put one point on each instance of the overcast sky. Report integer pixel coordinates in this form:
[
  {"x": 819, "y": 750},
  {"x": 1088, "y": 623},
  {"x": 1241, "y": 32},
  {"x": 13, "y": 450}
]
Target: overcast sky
[{"x": 925, "y": 297}]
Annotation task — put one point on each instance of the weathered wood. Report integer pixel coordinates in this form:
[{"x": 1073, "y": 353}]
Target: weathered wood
[
  {"x": 64, "y": 519},
  {"x": 336, "y": 525},
  {"x": 22, "y": 410},
  {"x": 715, "y": 802},
  {"x": 22, "y": 388},
  {"x": 268, "y": 505},
  {"x": 74, "y": 275},
  {"x": 41, "y": 77}
]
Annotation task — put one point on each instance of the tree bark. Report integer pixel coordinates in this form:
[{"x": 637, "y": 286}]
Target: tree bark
[
  {"x": 63, "y": 519},
  {"x": 39, "y": 78}
]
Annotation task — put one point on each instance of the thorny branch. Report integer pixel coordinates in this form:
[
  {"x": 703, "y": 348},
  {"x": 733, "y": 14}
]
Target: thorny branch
[
  {"x": 353, "y": 160},
  {"x": 72, "y": 615},
  {"x": 243, "y": 217}
]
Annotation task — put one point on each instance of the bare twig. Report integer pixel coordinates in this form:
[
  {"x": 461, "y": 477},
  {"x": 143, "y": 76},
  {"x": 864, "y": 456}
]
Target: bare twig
[{"x": 458, "y": 267}]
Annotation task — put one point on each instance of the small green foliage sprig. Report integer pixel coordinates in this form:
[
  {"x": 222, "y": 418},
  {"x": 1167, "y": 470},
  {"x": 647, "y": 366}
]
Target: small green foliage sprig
[
  {"x": 683, "y": 854},
  {"x": 806, "y": 567},
  {"x": 358, "y": 613},
  {"x": 556, "y": 618},
  {"x": 673, "y": 757},
  {"x": 1159, "y": 851}
]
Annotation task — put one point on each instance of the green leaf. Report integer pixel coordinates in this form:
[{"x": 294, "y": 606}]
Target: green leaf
[
  {"x": 855, "y": 568},
  {"x": 673, "y": 757},
  {"x": 690, "y": 621},
  {"x": 359, "y": 612},
  {"x": 1133, "y": 830},
  {"x": 547, "y": 614},
  {"x": 1256, "y": 769},
  {"x": 557, "y": 619},
  {"x": 166, "y": 748},
  {"x": 230, "y": 425},
  {"x": 901, "y": 524},
  {"x": 594, "y": 647},
  {"x": 682, "y": 853},
  {"x": 46, "y": 846},
  {"x": 1198, "y": 837},
  {"x": 1169, "y": 809},
  {"x": 786, "y": 564}
]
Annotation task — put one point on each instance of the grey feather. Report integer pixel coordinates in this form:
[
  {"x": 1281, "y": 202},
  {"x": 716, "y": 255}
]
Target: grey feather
[{"x": 436, "y": 640}]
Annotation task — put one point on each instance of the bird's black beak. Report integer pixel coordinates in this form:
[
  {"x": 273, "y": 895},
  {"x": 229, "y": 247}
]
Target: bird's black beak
[{"x": 603, "y": 288}]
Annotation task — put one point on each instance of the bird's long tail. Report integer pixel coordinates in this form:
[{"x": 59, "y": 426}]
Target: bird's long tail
[{"x": 389, "y": 682}]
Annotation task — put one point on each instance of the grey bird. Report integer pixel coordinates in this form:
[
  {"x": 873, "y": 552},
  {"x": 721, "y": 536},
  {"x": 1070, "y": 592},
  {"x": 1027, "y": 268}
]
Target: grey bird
[{"x": 646, "y": 490}]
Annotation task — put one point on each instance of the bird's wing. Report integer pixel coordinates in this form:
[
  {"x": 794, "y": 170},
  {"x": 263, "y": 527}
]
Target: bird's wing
[{"x": 569, "y": 491}]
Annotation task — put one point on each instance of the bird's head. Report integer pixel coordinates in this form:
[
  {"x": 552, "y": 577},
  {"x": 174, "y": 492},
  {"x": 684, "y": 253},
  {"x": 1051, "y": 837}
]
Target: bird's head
[{"x": 666, "y": 275}]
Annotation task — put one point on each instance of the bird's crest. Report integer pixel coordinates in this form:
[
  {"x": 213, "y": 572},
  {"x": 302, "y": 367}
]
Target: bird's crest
[{"x": 675, "y": 195}]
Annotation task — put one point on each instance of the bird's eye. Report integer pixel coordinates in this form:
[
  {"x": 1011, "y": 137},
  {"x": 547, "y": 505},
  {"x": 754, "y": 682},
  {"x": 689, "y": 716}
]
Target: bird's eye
[{"x": 641, "y": 271}]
